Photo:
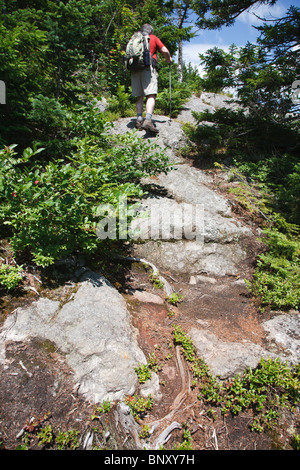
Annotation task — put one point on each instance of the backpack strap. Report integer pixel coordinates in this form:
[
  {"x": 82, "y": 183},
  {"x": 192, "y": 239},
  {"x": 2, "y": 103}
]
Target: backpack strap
[{"x": 146, "y": 42}]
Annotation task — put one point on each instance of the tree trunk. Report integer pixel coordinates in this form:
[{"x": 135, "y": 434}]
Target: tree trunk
[
  {"x": 180, "y": 60},
  {"x": 182, "y": 15}
]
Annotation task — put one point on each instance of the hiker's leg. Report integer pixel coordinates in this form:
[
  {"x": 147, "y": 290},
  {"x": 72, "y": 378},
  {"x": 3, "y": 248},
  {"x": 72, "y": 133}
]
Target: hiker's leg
[
  {"x": 139, "y": 105},
  {"x": 150, "y": 105},
  {"x": 150, "y": 86},
  {"x": 150, "y": 90},
  {"x": 139, "y": 112}
]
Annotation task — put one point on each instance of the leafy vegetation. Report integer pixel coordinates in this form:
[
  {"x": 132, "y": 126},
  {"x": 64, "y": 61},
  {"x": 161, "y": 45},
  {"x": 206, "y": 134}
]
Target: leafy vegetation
[
  {"x": 259, "y": 140},
  {"x": 10, "y": 276},
  {"x": 55, "y": 55},
  {"x": 139, "y": 405},
  {"x": 58, "y": 161},
  {"x": 46, "y": 437},
  {"x": 276, "y": 280},
  {"x": 268, "y": 190},
  {"x": 105, "y": 407},
  {"x": 266, "y": 391},
  {"x": 143, "y": 371},
  {"x": 50, "y": 208},
  {"x": 180, "y": 337},
  {"x": 187, "y": 443}
]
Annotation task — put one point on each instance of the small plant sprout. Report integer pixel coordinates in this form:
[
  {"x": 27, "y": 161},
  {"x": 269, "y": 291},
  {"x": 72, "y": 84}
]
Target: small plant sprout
[
  {"x": 139, "y": 405},
  {"x": 174, "y": 298},
  {"x": 105, "y": 407}
]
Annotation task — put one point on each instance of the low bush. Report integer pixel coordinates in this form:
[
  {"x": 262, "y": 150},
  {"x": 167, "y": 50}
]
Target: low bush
[
  {"x": 10, "y": 276},
  {"x": 265, "y": 391},
  {"x": 50, "y": 208},
  {"x": 276, "y": 280}
]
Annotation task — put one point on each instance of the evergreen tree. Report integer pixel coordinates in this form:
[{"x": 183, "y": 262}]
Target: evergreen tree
[
  {"x": 213, "y": 14},
  {"x": 264, "y": 141}
]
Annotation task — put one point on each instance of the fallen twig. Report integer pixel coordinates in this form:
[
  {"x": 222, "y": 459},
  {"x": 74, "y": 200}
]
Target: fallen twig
[{"x": 166, "y": 434}]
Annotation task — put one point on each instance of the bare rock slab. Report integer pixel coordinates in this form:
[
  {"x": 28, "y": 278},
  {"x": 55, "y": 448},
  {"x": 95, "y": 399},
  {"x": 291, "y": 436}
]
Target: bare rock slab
[
  {"x": 208, "y": 237},
  {"x": 147, "y": 297},
  {"x": 93, "y": 331},
  {"x": 284, "y": 331},
  {"x": 224, "y": 358}
]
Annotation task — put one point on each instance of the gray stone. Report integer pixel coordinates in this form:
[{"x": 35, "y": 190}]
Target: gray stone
[
  {"x": 192, "y": 257},
  {"x": 226, "y": 359},
  {"x": 284, "y": 330},
  {"x": 151, "y": 387},
  {"x": 213, "y": 242},
  {"x": 167, "y": 219},
  {"x": 144, "y": 296},
  {"x": 101, "y": 105},
  {"x": 93, "y": 331},
  {"x": 207, "y": 102}
]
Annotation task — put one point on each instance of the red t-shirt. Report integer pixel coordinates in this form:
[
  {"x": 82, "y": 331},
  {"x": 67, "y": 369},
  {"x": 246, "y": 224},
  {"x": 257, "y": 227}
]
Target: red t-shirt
[{"x": 155, "y": 45}]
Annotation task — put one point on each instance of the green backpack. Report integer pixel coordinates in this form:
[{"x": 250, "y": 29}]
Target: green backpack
[{"x": 137, "y": 55}]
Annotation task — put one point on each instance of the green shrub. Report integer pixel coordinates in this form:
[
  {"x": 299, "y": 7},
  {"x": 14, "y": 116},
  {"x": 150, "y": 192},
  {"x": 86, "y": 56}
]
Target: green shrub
[
  {"x": 50, "y": 208},
  {"x": 139, "y": 405},
  {"x": 185, "y": 341},
  {"x": 267, "y": 390},
  {"x": 276, "y": 280},
  {"x": 10, "y": 276},
  {"x": 47, "y": 113},
  {"x": 120, "y": 103}
]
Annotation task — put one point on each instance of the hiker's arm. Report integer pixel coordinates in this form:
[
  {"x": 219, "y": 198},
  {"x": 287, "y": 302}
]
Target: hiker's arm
[{"x": 165, "y": 52}]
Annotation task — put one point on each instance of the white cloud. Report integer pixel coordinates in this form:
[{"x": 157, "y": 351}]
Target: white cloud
[{"x": 250, "y": 16}]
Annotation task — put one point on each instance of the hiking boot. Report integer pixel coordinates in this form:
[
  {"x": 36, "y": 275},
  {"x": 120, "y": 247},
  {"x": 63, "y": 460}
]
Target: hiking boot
[
  {"x": 148, "y": 125},
  {"x": 139, "y": 124}
]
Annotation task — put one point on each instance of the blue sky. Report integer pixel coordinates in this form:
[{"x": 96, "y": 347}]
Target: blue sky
[{"x": 239, "y": 34}]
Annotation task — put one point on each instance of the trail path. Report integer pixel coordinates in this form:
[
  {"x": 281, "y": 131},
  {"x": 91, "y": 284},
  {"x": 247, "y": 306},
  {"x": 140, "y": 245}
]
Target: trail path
[
  {"x": 83, "y": 346},
  {"x": 221, "y": 318}
]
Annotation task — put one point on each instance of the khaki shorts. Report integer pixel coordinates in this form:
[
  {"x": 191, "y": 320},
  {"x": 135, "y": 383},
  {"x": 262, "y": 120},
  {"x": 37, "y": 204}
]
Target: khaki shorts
[{"x": 144, "y": 83}]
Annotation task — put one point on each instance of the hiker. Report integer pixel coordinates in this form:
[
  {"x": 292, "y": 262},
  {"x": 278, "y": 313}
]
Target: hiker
[{"x": 144, "y": 82}]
